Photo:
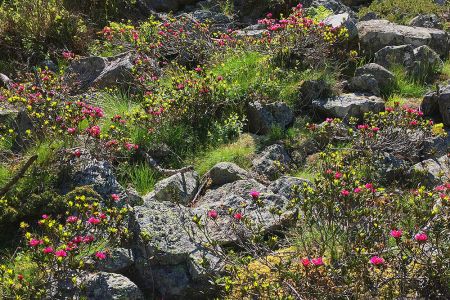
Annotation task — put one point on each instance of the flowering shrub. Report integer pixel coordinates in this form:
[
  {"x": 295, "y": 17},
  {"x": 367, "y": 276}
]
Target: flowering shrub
[
  {"x": 62, "y": 245},
  {"x": 353, "y": 236}
]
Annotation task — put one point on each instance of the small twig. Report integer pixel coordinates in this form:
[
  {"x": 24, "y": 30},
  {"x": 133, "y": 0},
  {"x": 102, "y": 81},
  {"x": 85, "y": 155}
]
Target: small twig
[
  {"x": 18, "y": 176},
  {"x": 168, "y": 172}
]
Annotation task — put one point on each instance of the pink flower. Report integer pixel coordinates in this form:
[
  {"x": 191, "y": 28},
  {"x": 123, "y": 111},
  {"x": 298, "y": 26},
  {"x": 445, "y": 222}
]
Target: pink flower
[
  {"x": 237, "y": 216},
  {"x": 213, "y": 214},
  {"x": 35, "y": 242},
  {"x": 93, "y": 221},
  {"x": 115, "y": 197},
  {"x": 88, "y": 239},
  {"x": 305, "y": 262},
  {"x": 48, "y": 250},
  {"x": 254, "y": 195},
  {"x": 329, "y": 120},
  {"x": 337, "y": 175},
  {"x": 345, "y": 193},
  {"x": 61, "y": 253},
  {"x": 396, "y": 233},
  {"x": 317, "y": 261},
  {"x": 269, "y": 15},
  {"x": 369, "y": 186},
  {"x": 71, "y": 130},
  {"x": 377, "y": 261},
  {"x": 219, "y": 78},
  {"x": 68, "y": 55},
  {"x": 45, "y": 217},
  {"x": 94, "y": 131},
  {"x": 198, "y": 69},
  {"x": 421, "y": 237},
  {"x": 71, "y": 219},
  {"x": 357, "y": 190},
  {"x": 20, "y": 277},
  {"x": 77, "y": 153},
  {"x": 413, "y": 123},
  {"x": 100, "y": 255},
  {"x": 375, "y": 129}
]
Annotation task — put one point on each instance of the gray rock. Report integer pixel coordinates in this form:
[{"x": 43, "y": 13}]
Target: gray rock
[
  {"x": 434, "y": 147},
  {"x": 133, "y": 197},
  {"x": 335, "y": 6},
  {"x": 118, "y": 260},
  {"x": 101, "y": 72},
  {"x": 310, "y": 90},
  {"x": 377, "y": 34},
  {"x": 272, "y": 161},
  {"x": 385, "y": 79},
  {"x": 167, "y": 250},
  {"x": 369, "y": 16},
  {"x": 395, "y": 55},
  {"x": 257, "y": 33},
  {"x": 426, "y": 62},
  {"x": 226, "y": 172},
  {"x": 430, "y": 105},
  {"x": 365, "y": 83},
  {"x": 349, "y": 105},
  {"x": 284, "y": 185},
  {"x": 443, "y": 101},
  {"x": 426, "y": 20},
  {"x": 390, "y": 168},
  {"x": 236, "y": 197},
  {"x": 19, "y": 121},
  {"x": 178, "y": 188},
  {"x": 434, "y": 172},
  {"x": 262, "y": 117},
  {"x": 163, "y": 5},
  {"x": 90, "y": 171},
  {"x": 108, "y": 286},
  {"x": 343, "y": 20},
  {"x": 356, "y": 2}
]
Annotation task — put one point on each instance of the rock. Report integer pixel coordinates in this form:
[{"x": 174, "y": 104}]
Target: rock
[
  {"x": 343, "y": 20},
  {"x": 434, "y": 171},
  {"x": 217, "y": 20},
  {"x": 19, "y": 121},
  {"x": 349, "y": 105},
  {"x": 90, "y": 171},
  {"x": 257, "y": 33},
  {"x": 163, "y": 5},
  {"x": 101, "y": 72},
  {"x": 310, "y": 90},
  {"x": 118, "y": 260},
  {"x": 395, "y": 55},
  {"x": 168, "y": 251},
  {"x": 284, "y": 185},
  {"x": 236, "y": 197},
  {"x": 108, "y": 286},
  {"x": 356, "y": 2},
  {"x": 335, "y": 6},
  {"x": 369, "y": 16},
  {"x": 262, "y": 117},
  {"x": 272, "y": 161},
  {"x": 365, "y": 83},
  {"x": 133, "y": 197},
  {"x": 430, "y": 105},
  {"x": 226, "y": 172},
  {"x": 426, "y": 20},
  {"x": 443, "y": 101},
  {"x": 434, "y": 148},
  {"x": 178, "y": 188},
  {"x": 385, "y": 79},
  {"x": 426, "y": 62},
  {"x": 390, "y": 168},
  {"x": 377, "y": 34}
]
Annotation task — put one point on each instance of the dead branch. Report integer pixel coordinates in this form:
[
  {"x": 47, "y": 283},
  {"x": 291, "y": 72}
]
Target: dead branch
[
  {"x": 18, "y": 176},
  {"x": 167, "y": 172}
]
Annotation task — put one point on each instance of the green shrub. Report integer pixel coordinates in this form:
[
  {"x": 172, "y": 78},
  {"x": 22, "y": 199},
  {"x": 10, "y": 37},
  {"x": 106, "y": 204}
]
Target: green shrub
[
  {"x": 32, "y": 28},
  {"x": 402, "y": 11}
]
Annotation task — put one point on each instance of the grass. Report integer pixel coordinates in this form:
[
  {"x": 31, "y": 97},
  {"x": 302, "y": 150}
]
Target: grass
[
  {"x": 446, "y": 70},
  {"x": 239, "y": 152},
  {"x": 4, "y": 174},
  {"x": 141, "y": 176},
  {"x": 115, "y": 103},
  {"x": 406, "y": 86}
]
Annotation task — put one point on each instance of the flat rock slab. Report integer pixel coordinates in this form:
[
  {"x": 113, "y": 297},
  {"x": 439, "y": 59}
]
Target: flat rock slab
[{"x": 376, "y": 34}]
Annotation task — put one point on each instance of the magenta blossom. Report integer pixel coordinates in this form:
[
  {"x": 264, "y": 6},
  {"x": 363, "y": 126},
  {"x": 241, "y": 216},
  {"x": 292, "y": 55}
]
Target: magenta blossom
[
  {"x": 61, "y": 253},
  {"x": 255, "y": 195},
  {"x": 305, "y": 262},
  {"x": 35, "y": 242},
  {"x": 93, "y": 221},
  {"x": 396, "y": 233},
  {"x": 48, "y": 250},
  {"x": 421, "y": 237},
  {"x": 115, "y": 197},
  {"x": 377, "y": 261},
  {"x": 213, "y": 214},
  {"x": 71, "y": 219},
  {"x": 345, "y": 193},
  {"x": 100, "y": 255},
  {"x": 317, "y": 261}
]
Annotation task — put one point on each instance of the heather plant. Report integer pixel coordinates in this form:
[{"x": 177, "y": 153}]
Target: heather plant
[
  {"x": 353, "y": 236},
  {"x": 63, "y": 244}
]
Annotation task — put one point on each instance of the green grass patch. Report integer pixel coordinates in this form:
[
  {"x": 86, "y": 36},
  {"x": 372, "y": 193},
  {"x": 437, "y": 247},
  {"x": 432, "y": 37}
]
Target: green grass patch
[
  {"x": 239, "y": 152},
  {"x": 141, "y": 176},
  {"x": 407, "y": 86}
]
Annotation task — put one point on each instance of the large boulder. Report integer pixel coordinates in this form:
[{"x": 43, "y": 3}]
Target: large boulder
[
  {"x": 438, "y": 102},
  {"x": 434, "y": 171},
  {"x": 226, "y": 172},
  {"x": 427, "y": 21},
  {"x": 178, "y": 188},
  {"x": 376, "y": 34},
  {"x": 88, "y": 170},
  {"x": 349, "y": 105},
  {"x": 108, "y": 286},
  {"x": 284, "y": 186},
  {"x": 118, "y": 260},
  {"x": 262, "y": 117},
  {"x": 235, "y": 198},
  {"x": 395, "y": 55},
  {"x": 372, "y": 78},
  {"x": 426, "y": 62},
  {"x": 272, "y": 161},
  {"x": 335, "y": 6},
  {"x": 169, "y": 258},
  {"x": 343, "y": 20},
  {"x": 310, "y": 90}
]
